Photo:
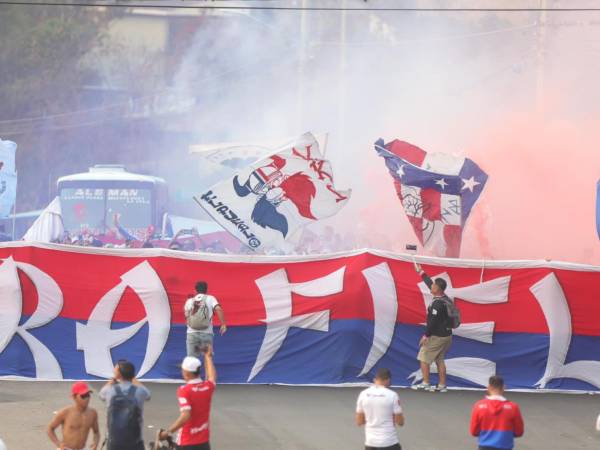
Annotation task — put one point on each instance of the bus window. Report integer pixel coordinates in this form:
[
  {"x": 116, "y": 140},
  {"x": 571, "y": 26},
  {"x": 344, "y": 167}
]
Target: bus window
[
  {"x": 83, "y": 209},
  {"x": 134, "y": 207}
]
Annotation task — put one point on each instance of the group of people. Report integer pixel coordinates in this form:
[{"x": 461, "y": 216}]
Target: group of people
[
  {"x": 125, "y": 395},
  {"x": 495, "y": 421}
]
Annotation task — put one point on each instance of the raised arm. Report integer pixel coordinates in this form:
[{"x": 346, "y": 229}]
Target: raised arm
[
  {"x": 209, "y": 367},
  {"x": 221, "y": 315}
]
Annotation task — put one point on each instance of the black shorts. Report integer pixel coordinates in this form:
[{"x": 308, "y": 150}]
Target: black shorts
[
  {"x": 203, "y": 446},
  {"x": 391, "y": 447}
]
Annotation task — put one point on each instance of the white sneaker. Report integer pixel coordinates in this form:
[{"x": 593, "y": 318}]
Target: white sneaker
[
  {"x": 421, "y": 387},
  {"x": 441, "y": 388}
]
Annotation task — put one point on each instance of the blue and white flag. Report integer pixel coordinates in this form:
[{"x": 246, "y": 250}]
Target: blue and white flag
[{"x": 8, "y": 177}]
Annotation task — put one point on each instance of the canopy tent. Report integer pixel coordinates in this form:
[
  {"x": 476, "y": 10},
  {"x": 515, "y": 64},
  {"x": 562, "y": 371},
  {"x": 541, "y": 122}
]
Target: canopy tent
[{"x": 48, "y": 226}]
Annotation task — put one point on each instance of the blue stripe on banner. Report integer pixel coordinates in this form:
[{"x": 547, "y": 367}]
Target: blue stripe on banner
[{"x": 309, "y": 357}]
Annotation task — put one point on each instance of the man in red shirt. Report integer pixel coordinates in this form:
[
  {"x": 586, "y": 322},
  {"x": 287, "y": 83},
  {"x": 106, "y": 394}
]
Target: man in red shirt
[
  {"x": 495, "y": 420},
  {"x": 194, "y": 403}
]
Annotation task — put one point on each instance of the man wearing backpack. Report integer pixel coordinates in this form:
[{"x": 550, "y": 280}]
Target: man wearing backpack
[
  {"x": 198, "y": 312},
  {"x": 125, "y": 397},
  {"x": 438, "y": 334}
]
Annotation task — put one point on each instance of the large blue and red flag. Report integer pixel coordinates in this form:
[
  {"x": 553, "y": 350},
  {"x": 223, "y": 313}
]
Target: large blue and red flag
[{"x": 437, "y": 191}]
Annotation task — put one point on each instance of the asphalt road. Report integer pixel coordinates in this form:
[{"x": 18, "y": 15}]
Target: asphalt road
[{"x": 316, "y": 418}]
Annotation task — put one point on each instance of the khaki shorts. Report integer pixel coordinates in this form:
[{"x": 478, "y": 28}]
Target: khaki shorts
[{"x": 434, "y": 349}]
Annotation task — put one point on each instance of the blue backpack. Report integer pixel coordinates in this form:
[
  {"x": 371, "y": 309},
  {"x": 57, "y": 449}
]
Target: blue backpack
[{"x": 124, "y": 417}]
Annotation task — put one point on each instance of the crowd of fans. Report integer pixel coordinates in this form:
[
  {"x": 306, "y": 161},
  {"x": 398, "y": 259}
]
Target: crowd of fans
[{"x": 190, "y": 240}]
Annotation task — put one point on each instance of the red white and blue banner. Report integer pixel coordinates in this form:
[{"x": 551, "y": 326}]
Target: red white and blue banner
[
  {"x": 71, "y": 312},
  {"x": 266, "y": 203}
]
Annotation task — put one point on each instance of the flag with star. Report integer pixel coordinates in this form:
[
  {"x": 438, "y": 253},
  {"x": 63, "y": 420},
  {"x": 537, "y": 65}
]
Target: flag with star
[{"x": 437, "y": 191}]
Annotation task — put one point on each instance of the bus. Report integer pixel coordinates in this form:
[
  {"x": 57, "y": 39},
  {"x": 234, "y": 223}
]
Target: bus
[{"x": 90, "y": 201}]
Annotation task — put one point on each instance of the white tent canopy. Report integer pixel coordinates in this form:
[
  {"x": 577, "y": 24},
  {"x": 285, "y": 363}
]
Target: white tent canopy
[{"x": 48, "y": 226}]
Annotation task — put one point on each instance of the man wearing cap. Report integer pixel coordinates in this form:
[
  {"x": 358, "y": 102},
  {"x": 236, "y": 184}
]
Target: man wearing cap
[
  {"x": 378, "y": 409},
  {"x": 438, "y": 334},
  {"x": 194, "y": 404},
  {"x": 76, "y": 421}
]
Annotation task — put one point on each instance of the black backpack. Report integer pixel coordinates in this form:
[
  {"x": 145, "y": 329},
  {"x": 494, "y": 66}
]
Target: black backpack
[
  {"x": 124, "y": 417},
  {"x": 453, "y": 312}
]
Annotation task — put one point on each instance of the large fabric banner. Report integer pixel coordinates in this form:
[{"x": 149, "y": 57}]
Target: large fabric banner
[
  {"x": 267, "y": 202},
  {"x": 71, "y": 312}
]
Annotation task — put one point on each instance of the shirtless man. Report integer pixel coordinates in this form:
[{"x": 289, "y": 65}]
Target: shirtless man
[{"x": 76, "y": 421}]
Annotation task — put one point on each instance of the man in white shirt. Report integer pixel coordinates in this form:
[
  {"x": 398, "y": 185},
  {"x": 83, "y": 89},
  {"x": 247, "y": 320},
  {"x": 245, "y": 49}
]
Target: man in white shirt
[
  {"x": 378, "y": 409},
  {"x": 198, "y": 312}
]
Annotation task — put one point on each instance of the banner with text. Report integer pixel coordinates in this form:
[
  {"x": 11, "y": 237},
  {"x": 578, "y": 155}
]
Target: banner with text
[{"x": 70, "y": 313}]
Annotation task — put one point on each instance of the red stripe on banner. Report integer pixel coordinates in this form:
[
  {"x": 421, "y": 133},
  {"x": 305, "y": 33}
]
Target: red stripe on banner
[
  {"x": 452, "y": 236},
  {"x": 406, "y": 151},
  {"x": 86, "y": 278},
  {"x": 432, "y": 208}
]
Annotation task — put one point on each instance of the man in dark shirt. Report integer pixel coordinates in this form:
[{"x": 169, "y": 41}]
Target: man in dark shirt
[{"x": 438, "y": 334}]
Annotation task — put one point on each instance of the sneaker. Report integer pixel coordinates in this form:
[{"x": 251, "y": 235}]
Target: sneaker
[
  {"x": 441, "y": 388},
  {"x": 421, "y": 387}
]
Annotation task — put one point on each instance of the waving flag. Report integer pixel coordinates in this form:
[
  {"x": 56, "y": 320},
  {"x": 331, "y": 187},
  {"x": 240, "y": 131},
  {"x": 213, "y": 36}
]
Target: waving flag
[
  {"x": 266, "y": 203},
  {"x": 8, "y": 177},
  {"x": 437, "y": 192}
]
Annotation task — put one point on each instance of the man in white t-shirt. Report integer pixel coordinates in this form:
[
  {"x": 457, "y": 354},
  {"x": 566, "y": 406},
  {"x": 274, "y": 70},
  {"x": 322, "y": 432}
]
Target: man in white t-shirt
[
  {"x": 198, "y": 312},
  {"x": 378, "y": 409}
]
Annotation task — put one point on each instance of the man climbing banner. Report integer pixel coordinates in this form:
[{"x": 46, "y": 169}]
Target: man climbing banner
[
  {"x": 437, "y": 192},
  {"x": 268, "y": 201}
]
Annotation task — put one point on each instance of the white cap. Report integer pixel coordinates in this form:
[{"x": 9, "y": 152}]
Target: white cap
[{"x": 190, "y": 364}]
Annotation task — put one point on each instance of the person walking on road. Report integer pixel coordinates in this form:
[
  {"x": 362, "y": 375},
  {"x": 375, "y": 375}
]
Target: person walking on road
[
  {"x": 76, "y": 421},
  {"x": 378, "y": 409},
  {"x": 495, "y": 420},
  {"x": 194, "y": 400},
  {"x": 438, "y": 334}
]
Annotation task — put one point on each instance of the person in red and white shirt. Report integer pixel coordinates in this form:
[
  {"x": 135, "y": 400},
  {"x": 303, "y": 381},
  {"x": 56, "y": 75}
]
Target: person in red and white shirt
[{"x": 194, "y": 404}]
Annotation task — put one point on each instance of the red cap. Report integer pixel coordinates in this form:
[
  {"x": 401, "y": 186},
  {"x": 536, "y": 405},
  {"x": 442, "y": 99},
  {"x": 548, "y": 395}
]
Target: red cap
[{"x": 81, "y": 387}]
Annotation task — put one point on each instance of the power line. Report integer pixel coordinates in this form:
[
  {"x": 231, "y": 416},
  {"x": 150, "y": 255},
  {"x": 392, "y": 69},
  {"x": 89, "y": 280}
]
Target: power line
[{"x": 287, "y": 8}]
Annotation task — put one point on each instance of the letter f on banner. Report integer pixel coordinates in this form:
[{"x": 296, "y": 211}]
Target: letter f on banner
[{"x": 277, "y": 292}]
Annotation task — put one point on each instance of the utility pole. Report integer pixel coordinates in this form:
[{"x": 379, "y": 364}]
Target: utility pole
[
  {"x": 342, "y": 78},
  {"x": 540, "y": 58},
  {"x": 301, "y": 62}
]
